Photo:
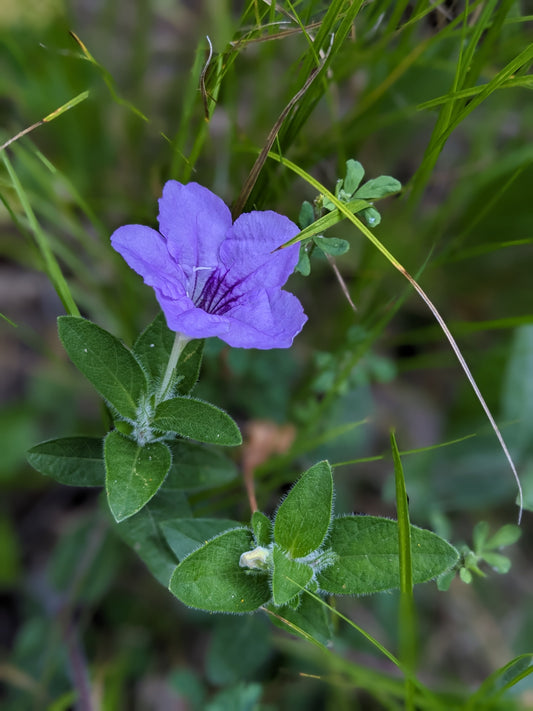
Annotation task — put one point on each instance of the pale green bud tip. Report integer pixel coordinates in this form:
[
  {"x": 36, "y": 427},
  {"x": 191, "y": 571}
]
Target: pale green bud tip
[{"x": 258, "y": 559}]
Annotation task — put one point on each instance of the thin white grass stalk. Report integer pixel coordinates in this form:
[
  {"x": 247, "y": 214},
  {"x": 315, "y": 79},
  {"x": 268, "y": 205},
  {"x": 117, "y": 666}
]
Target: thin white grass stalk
[
  {"x": 466, "y": 369},
  {"x": 341, "y": 281}
]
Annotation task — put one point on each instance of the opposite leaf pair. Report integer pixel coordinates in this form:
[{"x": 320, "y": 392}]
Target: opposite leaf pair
[
  {"x": 305, "y": 548},
  {"x": 137, "y": 455}
]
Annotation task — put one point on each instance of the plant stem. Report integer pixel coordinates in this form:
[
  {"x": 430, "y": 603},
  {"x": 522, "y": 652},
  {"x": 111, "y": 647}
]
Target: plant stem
[{"x": 180, "y": 341}]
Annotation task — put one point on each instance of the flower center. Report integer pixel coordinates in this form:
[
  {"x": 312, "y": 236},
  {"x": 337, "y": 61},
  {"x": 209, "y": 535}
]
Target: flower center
[{"x": 216, "y": 294}]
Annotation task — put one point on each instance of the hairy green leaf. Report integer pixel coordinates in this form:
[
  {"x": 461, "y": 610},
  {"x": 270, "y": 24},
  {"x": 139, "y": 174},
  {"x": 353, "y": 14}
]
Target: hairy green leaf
[
  {"x": 75, "y": 461},
  {"x": 105, "y": 361},
  {"x": 303, "y": 518},
  {"x": 211, "y": 579},
  {"x": 184, "y": 535},
  {"x": 368, "y": 560},
  {"x": 288, "y": 577},
  {"x": 133, "y": 473},
  {"x": 262, "y": 527},
  {"x": 197, "y": 420}
]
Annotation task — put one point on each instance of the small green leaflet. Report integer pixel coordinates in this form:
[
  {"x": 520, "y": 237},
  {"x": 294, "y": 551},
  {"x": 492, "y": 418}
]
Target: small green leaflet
[
  {"x": 262, "y": 527},
  {"x": 288, "y": 577}
]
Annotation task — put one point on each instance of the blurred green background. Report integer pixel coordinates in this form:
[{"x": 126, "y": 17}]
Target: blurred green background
[{"x": 463, "y": 227}]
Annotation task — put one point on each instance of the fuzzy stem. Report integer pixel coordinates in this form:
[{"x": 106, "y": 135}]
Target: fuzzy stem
[{"x": 180, "y": 341}]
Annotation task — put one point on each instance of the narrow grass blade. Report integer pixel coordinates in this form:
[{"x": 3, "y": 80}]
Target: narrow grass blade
[
  {"x": 50, "y": 117},
  {"x": 108, "y": 79},
  {"x": 406, "y": 616},
  {"x": 404, "y": 534},
  {"x": 52, "y": 267}
]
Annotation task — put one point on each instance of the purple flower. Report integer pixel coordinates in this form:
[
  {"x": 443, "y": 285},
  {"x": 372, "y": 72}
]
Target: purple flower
[{"x": 213, "y": 277}]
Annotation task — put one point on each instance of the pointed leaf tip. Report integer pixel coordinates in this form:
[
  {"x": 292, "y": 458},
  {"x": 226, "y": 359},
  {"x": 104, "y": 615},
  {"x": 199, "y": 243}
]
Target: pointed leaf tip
[
  {"x": 303, "y": 518},
  {"x": 105, "y": 362}
]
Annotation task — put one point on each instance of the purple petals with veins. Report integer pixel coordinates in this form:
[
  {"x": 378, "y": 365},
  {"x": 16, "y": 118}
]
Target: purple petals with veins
[{"x": 213, "y": 277}]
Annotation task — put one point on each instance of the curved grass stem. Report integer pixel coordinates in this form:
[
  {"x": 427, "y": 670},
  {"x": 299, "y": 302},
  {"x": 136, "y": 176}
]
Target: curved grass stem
[{"x": 345, "y": 211}]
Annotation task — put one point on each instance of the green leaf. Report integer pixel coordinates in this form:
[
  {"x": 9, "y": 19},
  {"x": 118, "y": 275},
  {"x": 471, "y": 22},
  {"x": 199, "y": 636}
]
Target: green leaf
[
  {"x": 184, "y": 535},
  {"x": 480, "y": 535},
  {"x": 133, "y": 473},
  {"x": 332, "y": 245},
  {"x": 367, "y": 550},
  {"x": 210, "y": 578},
  {"x": 262, "y": 527},
  {"x": 378, "y": 188},
  {"x": 304, "y": 263},
  {"x": 466, "y": 576},
  {"x": 505, "y": 536},
  {"x": 371, "y": 216},
  {"x": 105, "y": 361},
  {"x": 354, "y": 174},
  {"x": 288, "y": 577},
  {"x": 500, "y": 563},
  {"x": 189, "y": 364},
  {"x": 241, "y": 697},
  {"x": 143, "y": 534},
  {"x": 239, "y": 647},
  {"x": 153, "y": 347},
  {"x": 303, "y": 518},
  {"x": 197, "y": 420},
  {"x": 327, "y": 205},
  {"x": 195, "y": 466},
  {"x": 75, "y": 461},
  {"x": 306, "y": 216},
  {"x": 444, "y": 581}
]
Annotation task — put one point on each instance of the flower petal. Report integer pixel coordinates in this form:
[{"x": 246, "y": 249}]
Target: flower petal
[
  {"x": 183, "y": 316},
  {"x": 248, "y": 250},
  {"x": 145, "y": 251},
  {"x": 212, "y": 278},
  {"x": 268, "y": 319},
  {"x": 195, "y": 222}
]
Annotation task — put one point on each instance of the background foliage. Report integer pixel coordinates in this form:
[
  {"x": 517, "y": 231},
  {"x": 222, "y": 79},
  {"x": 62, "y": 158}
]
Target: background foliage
[{"x": 435, "y": 94}]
